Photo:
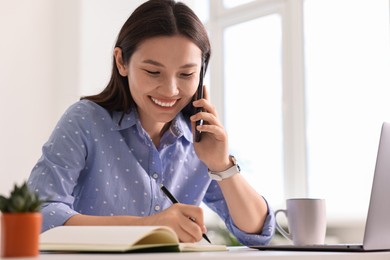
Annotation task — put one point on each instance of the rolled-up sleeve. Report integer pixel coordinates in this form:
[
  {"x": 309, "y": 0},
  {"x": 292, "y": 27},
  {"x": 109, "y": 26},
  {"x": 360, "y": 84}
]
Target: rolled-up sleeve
[{"x": 250, "y": 239}]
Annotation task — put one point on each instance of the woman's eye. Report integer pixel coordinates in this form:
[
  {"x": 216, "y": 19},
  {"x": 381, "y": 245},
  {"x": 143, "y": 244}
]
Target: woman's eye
[
  {"x": 154, "y": 73},
  {"x": 187, "y": 75}
]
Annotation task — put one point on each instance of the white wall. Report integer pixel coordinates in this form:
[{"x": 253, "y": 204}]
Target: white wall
[
  {"x": 27, "y": 74},
  {"x": 51, "y": 53}
]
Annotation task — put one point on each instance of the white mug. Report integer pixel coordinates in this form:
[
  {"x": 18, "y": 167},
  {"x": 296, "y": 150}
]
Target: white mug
[{"x": 306, "y": 219}]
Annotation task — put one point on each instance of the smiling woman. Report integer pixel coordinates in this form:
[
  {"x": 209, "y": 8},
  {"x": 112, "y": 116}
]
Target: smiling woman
[{"x": 109, "y": 154}]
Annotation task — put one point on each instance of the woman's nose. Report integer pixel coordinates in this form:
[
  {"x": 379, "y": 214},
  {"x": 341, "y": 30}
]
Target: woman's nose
[{"x": 170, "y": 87}]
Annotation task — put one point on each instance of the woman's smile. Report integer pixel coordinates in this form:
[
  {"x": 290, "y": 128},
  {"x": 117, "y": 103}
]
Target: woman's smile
[{"x": 164, "y": 103}]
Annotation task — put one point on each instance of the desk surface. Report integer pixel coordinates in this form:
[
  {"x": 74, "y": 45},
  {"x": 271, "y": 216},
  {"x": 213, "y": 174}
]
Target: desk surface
[{"x": 233, "y": 253}]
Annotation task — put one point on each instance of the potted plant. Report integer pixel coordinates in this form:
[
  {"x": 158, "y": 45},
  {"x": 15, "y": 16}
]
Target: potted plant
[{"x": 21, "y": 222}]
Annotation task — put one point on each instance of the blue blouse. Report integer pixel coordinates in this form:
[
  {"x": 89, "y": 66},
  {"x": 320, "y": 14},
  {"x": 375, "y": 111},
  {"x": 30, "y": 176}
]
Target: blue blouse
[{"x": 93, "y": 165}]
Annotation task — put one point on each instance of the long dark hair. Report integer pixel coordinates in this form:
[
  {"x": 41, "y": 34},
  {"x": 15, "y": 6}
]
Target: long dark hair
[{"x": 152, "y": 18}]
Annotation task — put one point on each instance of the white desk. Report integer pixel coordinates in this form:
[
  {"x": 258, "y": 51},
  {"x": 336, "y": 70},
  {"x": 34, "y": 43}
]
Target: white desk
[{"x": 233, "y": 253}]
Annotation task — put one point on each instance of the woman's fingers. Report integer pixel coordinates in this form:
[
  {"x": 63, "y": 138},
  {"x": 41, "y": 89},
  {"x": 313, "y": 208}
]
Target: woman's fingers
[
  {"x": 191, "y": 231},
  {"x": 206, "y": 106},
  {"x": 192, "y": 221},
  {"x": 185, "y": 220}
]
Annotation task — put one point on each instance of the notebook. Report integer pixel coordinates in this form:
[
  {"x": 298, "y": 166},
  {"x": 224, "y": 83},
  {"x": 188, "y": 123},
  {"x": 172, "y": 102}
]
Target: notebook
[
  {"x": 118, "y": 239},
  {"x": 377, "y": 229}
]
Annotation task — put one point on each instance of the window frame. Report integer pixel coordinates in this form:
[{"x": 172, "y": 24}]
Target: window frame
[{"x": 294, "y": 135}]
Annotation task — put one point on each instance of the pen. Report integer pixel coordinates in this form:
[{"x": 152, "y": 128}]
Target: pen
[{"x": 174, "y": 200}]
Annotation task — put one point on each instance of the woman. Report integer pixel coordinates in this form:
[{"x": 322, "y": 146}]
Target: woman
[{"x": 109, "y": 154}]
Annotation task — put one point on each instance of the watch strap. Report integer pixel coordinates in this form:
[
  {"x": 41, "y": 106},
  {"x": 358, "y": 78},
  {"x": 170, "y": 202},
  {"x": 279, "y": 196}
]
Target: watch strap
[{"x": 219, "y": 176}]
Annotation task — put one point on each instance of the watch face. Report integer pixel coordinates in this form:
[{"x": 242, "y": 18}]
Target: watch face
[{"x": 234, "y": 161}]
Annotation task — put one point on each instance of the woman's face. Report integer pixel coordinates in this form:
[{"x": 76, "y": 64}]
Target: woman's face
[{"x": 163, "y": 76}]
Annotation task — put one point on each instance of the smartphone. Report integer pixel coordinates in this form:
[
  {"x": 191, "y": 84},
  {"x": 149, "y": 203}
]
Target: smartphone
[{"x": 199, "y": 95}]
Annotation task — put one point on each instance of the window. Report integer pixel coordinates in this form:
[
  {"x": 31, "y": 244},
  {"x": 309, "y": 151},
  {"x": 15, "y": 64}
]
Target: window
[
  {"x": 234, "y": 3},
  {"x": 253, "y": 103},
  {"x": 314, "y": 76},
  {"x": 252, "y": 75},
  {"x": 347, "y": 53}
]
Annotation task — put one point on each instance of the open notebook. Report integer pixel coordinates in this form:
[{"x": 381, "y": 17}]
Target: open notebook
[
  {"x": 117, "y": 239},
  {"x": 377, "y": 230}
]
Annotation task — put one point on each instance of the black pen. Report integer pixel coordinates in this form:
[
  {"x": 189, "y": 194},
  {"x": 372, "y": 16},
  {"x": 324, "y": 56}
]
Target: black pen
[{"x": 174, "y": 200}]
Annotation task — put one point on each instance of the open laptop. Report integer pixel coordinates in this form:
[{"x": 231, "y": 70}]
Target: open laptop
[{"x": 377, "y": 229}]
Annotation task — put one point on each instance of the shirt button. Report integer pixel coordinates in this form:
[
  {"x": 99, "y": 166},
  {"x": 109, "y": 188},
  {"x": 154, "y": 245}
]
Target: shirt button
[
  {"x": 157, "y": 207},
  {"x": 155, "y": 175}
]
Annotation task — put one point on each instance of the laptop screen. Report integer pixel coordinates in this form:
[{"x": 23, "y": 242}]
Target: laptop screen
[{"x": 377, "y": 231}]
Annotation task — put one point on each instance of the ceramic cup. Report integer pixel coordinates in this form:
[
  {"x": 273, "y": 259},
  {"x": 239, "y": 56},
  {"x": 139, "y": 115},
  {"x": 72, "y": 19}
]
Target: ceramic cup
[{"x": 306, "y": 220}]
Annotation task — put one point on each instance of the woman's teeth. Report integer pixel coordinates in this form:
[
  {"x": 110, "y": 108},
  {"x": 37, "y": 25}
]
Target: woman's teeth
[{"x": 163, "y": 104}]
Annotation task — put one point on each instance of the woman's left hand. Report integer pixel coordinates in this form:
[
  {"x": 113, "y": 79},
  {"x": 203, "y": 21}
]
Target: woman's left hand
[{"x": 213, "y": 147}]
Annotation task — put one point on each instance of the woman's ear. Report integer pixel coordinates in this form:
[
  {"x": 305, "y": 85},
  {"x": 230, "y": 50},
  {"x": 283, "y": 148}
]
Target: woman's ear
[{"x": 119, "y": 62}]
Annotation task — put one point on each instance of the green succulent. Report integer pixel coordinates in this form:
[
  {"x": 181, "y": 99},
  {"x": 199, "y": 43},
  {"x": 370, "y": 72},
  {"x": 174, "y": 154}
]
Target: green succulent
[{"x": 21, "y": 200}]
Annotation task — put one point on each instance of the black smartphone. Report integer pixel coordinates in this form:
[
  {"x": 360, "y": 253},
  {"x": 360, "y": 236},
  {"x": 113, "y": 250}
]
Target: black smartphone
[{"x": 199, "y": 95}]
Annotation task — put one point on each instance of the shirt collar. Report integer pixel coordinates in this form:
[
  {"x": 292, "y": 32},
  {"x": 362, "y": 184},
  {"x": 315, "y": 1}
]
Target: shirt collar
[
  {"x": 179, "y": 126},
  {"x": 128, "y": 120}
]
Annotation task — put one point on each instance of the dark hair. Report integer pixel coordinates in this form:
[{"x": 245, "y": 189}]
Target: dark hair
[{"x": 152, "y": 18}]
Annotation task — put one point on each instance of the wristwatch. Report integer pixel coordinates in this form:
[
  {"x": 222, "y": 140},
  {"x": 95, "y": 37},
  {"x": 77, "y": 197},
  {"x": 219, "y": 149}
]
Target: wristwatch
[{"x": 219, "y": 176}]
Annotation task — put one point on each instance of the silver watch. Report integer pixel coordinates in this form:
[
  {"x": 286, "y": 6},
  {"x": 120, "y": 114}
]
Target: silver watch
[{"x": 219, "y": 176}]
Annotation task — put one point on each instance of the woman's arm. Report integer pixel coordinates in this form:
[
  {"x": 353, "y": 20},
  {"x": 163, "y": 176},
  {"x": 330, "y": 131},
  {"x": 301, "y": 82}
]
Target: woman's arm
[{"x": 247, "y": 208}]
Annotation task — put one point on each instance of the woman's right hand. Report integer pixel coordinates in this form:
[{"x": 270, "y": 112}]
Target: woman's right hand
[{"x": 186, "y": 220}]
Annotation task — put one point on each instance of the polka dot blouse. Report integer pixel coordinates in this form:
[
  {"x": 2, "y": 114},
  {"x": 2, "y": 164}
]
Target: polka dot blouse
[{"x": 93, "y": 165}]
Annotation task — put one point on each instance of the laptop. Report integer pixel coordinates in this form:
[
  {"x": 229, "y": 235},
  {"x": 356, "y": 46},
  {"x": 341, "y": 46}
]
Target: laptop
[{"x": 377, "y": 229}]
